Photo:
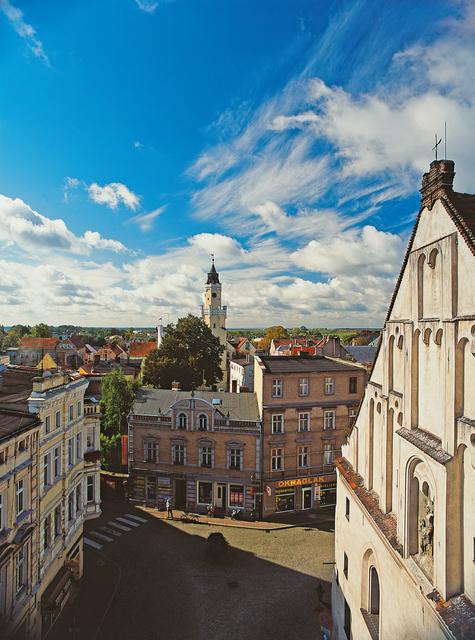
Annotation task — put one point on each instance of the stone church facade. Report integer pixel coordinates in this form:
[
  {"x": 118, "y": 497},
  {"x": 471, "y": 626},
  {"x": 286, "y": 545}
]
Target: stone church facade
[{"x": 405, "y": 516}]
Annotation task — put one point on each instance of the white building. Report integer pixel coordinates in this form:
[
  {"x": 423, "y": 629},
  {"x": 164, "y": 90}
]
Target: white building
[
  {"x": 405, "y": 517},
  {"x": 241, "y": 375}
]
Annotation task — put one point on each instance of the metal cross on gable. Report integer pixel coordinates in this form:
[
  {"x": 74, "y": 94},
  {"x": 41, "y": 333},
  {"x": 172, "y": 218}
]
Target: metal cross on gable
[{"x": 434, "y": 148}]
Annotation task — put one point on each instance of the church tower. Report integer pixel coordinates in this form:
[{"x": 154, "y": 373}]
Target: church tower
[{"x": 214, "y": 315}]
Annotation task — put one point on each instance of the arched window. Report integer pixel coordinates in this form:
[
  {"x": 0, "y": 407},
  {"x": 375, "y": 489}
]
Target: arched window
[
  {"x": 420, "y": 285},
  {"x": 373, "y": 596},
  {"x": 371, "y": 444},
  {"x": 432, "y": 258},
  {"x": 203, "y": 422},
  {"x": 181, "y": 421},
  {"x": 391, "y": 363}
]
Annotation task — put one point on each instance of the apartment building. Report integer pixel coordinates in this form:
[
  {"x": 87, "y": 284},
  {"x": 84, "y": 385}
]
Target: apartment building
[
  {"x": 306, "y": 405},
  {"x": 19, "y": 432},
  {"x": 202, "y": 449}
]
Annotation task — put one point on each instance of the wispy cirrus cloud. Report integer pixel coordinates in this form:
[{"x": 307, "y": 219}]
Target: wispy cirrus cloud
[
  {"x": 24, "y": 30},
  {"x": 150, "y": 6},
  {"x": 145, "y": 221}
]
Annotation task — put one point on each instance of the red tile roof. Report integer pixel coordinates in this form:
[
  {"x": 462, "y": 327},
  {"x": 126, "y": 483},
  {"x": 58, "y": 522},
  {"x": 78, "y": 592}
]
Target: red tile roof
[
  {"x": 141, "y": 349},
  {"x": 28, "y": 342}
]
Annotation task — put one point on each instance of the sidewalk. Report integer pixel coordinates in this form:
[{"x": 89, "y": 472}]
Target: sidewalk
[{"x": 288, "y": 521}]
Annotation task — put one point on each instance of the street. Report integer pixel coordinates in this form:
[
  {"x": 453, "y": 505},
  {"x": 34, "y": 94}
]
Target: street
[{"x": 155, "y": 581}]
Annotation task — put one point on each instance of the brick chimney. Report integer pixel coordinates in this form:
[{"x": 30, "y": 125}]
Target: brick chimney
[
  {"x": 176, "y": 386},
  {"x": 437, "y": 182}
]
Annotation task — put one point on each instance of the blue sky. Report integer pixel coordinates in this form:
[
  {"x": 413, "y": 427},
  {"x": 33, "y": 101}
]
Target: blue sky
[{"x": 289, "y": 138}]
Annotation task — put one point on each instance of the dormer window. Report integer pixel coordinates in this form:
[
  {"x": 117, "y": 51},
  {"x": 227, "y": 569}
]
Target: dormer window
[
  {"x": 203, "y": 422},
  {"x": 181, "y": 422}
]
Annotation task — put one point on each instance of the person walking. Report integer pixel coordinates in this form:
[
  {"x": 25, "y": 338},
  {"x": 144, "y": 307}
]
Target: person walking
[{"x": 168, "y": 506}]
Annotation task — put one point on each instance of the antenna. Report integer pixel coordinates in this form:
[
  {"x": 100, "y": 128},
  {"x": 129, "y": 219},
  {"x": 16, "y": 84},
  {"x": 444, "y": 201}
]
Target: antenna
[
  {"x": 445, "y": 139},
  {"x": 435, "y": 147}
]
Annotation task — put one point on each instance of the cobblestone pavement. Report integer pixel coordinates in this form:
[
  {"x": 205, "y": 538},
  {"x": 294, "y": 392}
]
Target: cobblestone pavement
[{"x": 155, "y": 582}]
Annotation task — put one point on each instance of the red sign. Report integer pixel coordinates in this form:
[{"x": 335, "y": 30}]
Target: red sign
[{"x": 125, "y": 449}]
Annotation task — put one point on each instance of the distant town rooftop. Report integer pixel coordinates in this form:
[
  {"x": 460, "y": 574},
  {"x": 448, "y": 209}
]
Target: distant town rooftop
[{"x": 296, "y": 364}]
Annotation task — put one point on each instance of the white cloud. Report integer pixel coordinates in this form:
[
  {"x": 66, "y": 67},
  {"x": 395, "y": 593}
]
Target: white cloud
[
  {"x": 138, "y": 145},
  {"x": 20, "y": 225},
  {"x": 145, "y": 221},
  {"x": 113, "y": 194},
  {"x": 149, "y": 6},
  {"x": 24, "y": 30}
]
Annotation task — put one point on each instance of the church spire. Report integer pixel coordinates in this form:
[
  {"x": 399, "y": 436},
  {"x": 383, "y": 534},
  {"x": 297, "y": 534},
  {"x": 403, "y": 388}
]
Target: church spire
[{"x": 213, "y": 275}]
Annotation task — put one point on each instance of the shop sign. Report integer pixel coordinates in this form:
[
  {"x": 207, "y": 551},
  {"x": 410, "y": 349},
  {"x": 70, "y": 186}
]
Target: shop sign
[
  {"x": 298, "y": 482},
  {"x": 267, "y": 490},
  {"x": 328, "y": 485},
  {"x": 317, "y": 492},
  {"x": 285, "y": 490}
]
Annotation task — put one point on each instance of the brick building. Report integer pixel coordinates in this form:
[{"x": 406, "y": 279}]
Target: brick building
[
  {"x": 306, "y": 406},
  {"x": 200, "y": 448}
]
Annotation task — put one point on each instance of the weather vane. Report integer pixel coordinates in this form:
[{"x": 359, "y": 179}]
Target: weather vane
[
  {"x": 212, "y": 256},
  {"x": 434, "y": 148}
]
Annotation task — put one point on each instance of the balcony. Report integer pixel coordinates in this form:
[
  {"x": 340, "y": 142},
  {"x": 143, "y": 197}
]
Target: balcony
[{"x": 92, "y": 456}]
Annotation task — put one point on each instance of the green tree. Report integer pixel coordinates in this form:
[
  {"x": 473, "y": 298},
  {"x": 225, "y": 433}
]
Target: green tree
[
  {"x": 189, "y": 354},
  {"x": 118, "y": 395},
  {"x": 20, "y": 330},
  {"x": 276, "y": 332},
  {"x": 41, "y": 331}
]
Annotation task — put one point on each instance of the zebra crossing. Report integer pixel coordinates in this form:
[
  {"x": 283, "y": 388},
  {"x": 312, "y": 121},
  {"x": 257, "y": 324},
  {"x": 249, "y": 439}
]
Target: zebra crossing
[{"x": 107, "y": 533}]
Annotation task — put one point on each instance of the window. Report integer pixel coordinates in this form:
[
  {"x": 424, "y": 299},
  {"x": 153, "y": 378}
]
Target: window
[
  {"x": 178, "y": 454},
  {"x": 78, "y": 498},
  {"x": 181, "y": 422},
  {"x": 57, "y": 462},
  {"x": 236, "y": 495},
  {"x": 57, "y": 521},
  {"x": 347, "y": 621},
  {"x": 345, "y": 565},
  {"x": 278, "y": 423},
  {"x": 304, "y": 421},
  {"x": 303, "y": 387},
  {"x": 276, "y": 460},
  {"x": 70, "y": 452},
  {"x": 71, "y": 506},
  {"x": 329, "y": 419},
  {"x": 78, "y": 409},
  {"x": 277, "y": 388},
  {"x": 303, "y": 457},
  {"x": 206, "y": 456},
  {"x": 353, "y": 385},
  {"x": 235, "y": 459},
  {"x": 57, "y": 419},
  {"x": 205, "y": 492},
  {"x": 150, "y": 451},
  {"x": 347, "y": 509},
  {"x": 46, "y": 469},
  {"x": 47, "y": 424},
  {"x": 47, "y": 532},
  {"x": 91, "y": 439},
  {"x": 329, "y": 386},
  {"x": 20, "y": 569},
  {"x": 3, "y": 456},
  {"x": 78, "y": 446},
  {"x": 351, "y": 416},
  {"x": 328, "y": 454},
  {"x": 90, "y": 488},
  {"x": 373, "y": 599},
  {"x": 22, "y": 445},
  {"x": 203, "y": 422},
  {"x": 2, "y": 518},
  {"x": 71, "y": 413},
  {"x": 20, "y": 497}
]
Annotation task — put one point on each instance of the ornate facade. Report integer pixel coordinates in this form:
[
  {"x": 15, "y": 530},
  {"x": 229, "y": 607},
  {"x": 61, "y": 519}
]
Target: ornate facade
[{"x": 405, "y": 517}]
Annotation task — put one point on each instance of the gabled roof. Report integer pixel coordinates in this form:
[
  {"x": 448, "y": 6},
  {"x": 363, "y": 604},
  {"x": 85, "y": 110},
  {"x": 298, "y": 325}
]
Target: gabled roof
[
  {"x": 77, "y": 342},
  {"x": 141, "y": 349},
  {"x": 290, "y": 364},
  {"x": 28, "y": 342}
]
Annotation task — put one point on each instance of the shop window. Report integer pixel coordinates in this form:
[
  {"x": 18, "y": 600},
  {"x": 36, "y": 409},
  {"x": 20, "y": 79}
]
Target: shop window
[
  {"x": 285, "y": 501},
  {"x": 353, "y": 384},
  {"x": 181, "y": 421},
  {"x": 235, "y": 459},
  {"x": 278, "y": 423},
  {"x": 303, "y": 457},
  {"x": 236, "y": 495},
  {"x": 303, "y": 387},
  {"x": 178, "y": 454},
  {"x": 277, "y": 463},
  {"x": 329, "y": 419},
  {"x": 277, "y": 388},
  {"x": 203, "y": 422},
  {"x": 329, "y": 386},
  {"x": 206, "y": 456},
  {"x": 328, "y": 493},
  {"x": 205, "y": 492},
  {"x": 304, "y": 421},
  {"x": 151, "y": 488},
  {"x": 345, "y": 565}
]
